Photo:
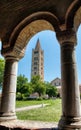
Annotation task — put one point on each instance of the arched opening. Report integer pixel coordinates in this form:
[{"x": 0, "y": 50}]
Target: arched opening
[
  {"x": 77, "y": 27},
  {"x": 30, "y": 30},
  {"x": 0, "y": 48},
  {"x": 71, "y": 117},
  {"x": 1, "y": 69},
  {"x": 51, "y": 67},
  {"x": 11, "y": 63},
  {"x": 51, "y": 49},
  {"x": 78, "y": 48}
]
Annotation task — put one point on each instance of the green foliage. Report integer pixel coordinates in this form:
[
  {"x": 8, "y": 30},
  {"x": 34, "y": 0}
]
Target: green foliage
[
  {"x": 24, "y": 88},
  {"x": 35, "y": 79},
  {"x": 19, "y": 96},
  {"x": 21, "y": 81},
  {"x": 51, "y": 90},
  {"x": 2, "y": 64},
  {"x": 80, "y": 96},
  {"x": 37, "y": 85}
]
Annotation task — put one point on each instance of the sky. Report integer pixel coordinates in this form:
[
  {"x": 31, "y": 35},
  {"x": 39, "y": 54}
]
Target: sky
[
  {"x": 51, "y": 47},
  {"x": 51, "y": 56}
]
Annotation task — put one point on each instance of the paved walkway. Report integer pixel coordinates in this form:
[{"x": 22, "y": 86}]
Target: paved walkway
[{"x": 30, "y": 107}]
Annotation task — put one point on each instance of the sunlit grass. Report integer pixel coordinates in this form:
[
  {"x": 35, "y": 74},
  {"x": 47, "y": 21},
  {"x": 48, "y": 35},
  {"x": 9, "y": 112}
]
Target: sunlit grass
[
  {"x": 50, "y": 113},
  {"x": 30, "y": 102}
]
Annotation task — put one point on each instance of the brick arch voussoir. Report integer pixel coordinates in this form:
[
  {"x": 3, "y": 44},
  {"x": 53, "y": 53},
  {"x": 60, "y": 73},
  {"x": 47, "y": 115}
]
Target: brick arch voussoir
[
  {"x": 49, "y": 17},
  {"x": 29, "y": 31},
  {"x": 77, "y": 19},
  {"x": 71, "y": 12}
]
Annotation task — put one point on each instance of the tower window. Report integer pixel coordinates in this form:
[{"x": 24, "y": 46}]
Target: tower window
[
  {"x": 34, "y": 73},
  {"x": 35, "y": 58},
  {"x": 35, "y": 52},
  {"x": 35, "y": 68},
  {"x": 35, "y": 63}
]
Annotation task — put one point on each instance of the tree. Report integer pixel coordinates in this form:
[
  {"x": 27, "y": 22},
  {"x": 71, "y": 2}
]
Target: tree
[
  {"x": 21, "y": 81},
  {"x": 35, "y": 79},
  {"x": 2, "y": 64},
  {"x": 24, "y": 88},
  {"x": 51, "y": 90},
  {"x": 37, "y": 85}
]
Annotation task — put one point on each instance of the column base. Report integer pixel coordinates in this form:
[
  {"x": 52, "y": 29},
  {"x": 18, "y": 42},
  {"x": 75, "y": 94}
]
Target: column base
[
  {"x": 7, "y": 116},
  {"x": 69, "y": 123}
]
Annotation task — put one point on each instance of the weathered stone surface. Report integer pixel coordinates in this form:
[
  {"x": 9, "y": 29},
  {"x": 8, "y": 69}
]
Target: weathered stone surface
[
  {"x": 70, "y": 89},
  {"x": 18, "y": 23},
  {"x": 56, "y": 12},
  {"x": 7, "y": 110},
  {"x": 16, "y": 11},
  {"x": 6, "y": 128},
  {"x": 28, "y": 125}
]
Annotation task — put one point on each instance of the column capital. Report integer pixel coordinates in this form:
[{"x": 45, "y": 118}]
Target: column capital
[
  {"x": 11, "y": 58},
  {"x": 67, "y": 36},
  {"x": 13, "y": 53}
]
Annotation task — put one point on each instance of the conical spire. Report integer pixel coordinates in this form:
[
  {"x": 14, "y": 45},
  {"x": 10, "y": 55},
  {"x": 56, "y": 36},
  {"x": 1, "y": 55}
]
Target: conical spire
[{"x": 38, "y": 46}]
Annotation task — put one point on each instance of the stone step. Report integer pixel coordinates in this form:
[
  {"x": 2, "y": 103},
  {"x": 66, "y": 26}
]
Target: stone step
[
  {"x": 7, "y": 128},
  {"x": 27, "y": 125}
]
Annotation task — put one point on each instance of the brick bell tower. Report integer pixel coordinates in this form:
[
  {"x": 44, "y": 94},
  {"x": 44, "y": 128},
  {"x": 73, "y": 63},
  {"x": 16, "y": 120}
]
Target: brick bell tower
[{"x": 37, "y": 67}]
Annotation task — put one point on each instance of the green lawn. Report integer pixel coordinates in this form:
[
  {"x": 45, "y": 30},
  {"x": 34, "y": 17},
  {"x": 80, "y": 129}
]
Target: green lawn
[
  {"x": 50, "y": 113},
  {"x": 31, "y": 102}
]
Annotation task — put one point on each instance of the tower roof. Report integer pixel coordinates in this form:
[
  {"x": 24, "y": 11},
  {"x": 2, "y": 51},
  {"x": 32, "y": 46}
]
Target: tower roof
[{"x": 38, "y": 46}]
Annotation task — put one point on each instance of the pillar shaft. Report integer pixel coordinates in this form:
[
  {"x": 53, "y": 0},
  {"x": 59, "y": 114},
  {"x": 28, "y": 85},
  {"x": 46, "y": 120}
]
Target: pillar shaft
[
  {"x": 70, "y": 88},
  {"x": 7, "y": 110}
]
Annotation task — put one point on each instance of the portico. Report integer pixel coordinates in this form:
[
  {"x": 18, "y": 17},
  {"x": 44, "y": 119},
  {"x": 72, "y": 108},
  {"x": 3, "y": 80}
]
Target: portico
[{"x": 19, "y": 21}]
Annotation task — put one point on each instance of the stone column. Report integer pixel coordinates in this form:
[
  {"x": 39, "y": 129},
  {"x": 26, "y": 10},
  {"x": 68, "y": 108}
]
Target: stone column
[
  {"x": 71, "y": 115},
  {"x": 7, "y": 111}
]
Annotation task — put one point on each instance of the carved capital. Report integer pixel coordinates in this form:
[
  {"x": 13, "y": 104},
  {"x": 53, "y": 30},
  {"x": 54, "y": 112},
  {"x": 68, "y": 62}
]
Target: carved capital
[
  {"x": 18, "y": 52},
  {"x": 67, "y": 36},
  {"x": 13, "y": 53}
]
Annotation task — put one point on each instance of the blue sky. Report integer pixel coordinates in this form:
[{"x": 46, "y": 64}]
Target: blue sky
[
  {"x": 51, "y": 49},
  {"x": 51, "y": 56}
]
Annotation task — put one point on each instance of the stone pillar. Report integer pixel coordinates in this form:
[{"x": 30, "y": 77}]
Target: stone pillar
[
  {"x": 7, "y": 110},
  {"x": 71, "y": 115}
]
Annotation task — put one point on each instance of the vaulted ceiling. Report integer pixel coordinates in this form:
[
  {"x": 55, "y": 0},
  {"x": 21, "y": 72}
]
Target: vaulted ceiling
[{"x": 15, "y": 15}]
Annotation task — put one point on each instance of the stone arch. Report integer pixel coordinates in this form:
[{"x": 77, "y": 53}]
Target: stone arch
[
  {"x": 77, "y": 19},
  {"x": 23, "y": 31},
  {"x": 29, "y": 31},
  {"x": 71, "y": 12},
  {"x": 47, "y": 16}
]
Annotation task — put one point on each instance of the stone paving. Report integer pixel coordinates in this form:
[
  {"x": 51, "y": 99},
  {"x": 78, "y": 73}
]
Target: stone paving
[{"x": 29, "y": 125}]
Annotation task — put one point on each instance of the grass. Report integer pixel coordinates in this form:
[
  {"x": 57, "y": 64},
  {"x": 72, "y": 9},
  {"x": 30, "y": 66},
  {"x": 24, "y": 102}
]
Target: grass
[
  {"x": 50, "y": 113},
  {"x": 30, "y": 103}
]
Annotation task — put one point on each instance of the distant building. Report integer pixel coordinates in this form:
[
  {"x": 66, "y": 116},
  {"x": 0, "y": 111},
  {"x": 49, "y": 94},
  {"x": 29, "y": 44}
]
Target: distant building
[
  {"x": 37, "y": 67},
  {"x": 56, "y": 82}
]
